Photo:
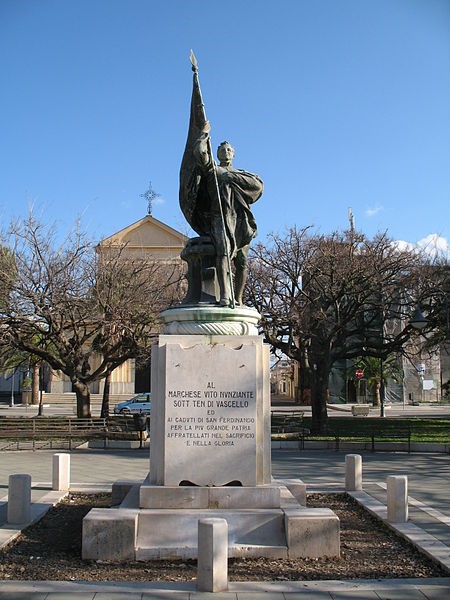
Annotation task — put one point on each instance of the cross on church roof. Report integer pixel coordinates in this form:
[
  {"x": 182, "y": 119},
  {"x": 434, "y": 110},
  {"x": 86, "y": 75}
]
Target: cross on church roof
[{"x": 150, "y": 195}]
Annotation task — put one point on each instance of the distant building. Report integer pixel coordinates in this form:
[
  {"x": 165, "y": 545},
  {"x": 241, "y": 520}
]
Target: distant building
[
  {"x": 425, "y": 379},
  {"x": 282, "y": 378},
  {"x": 148, "y": 237}
]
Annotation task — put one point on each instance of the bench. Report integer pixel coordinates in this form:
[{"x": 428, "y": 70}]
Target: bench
[
  {"x": 284, "y": 421},
  {"x": 53, "y": 432},
  {"x": 289, "y": 423},
  {"x": 338, "y": 435},
  {"x": 401, "y": 434}
]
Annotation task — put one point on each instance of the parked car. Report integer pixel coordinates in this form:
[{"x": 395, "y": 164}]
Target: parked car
[{"x": 139, "y": 404}]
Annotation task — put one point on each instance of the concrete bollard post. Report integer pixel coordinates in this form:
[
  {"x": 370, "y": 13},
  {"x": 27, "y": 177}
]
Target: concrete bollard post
[
  {"x": 212, "y": 565},
  {"x": 397, "y": 498},
  {"x": 61, "y": 472},
  {"x": 353, "y": 473},
  {"x": 19, "y": 499}
]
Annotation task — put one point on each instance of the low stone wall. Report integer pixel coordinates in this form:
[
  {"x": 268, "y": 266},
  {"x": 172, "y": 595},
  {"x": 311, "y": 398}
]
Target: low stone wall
[{"x": 367, "y": 446}]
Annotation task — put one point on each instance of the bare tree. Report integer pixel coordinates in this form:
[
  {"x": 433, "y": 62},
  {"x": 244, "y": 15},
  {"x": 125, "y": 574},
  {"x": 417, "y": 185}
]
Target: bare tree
[
  {"x": 438, "y": 304},
  {"x": 84, "y": 312},
  {"x": 329, "y": 297}
]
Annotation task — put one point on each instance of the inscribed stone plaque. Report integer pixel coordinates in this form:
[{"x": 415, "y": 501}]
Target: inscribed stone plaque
[{"x": 210, "y": 414}]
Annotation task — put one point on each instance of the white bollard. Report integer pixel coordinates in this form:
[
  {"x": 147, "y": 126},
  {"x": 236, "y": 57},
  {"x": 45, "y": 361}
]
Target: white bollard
[
  {"x": 61, "y": 472},
  {"x": 212, "y": 565},
  {"x": 19, "y": 499},
  {"x": 397, "y": 498},
  {"x": 353, "y": 473}
]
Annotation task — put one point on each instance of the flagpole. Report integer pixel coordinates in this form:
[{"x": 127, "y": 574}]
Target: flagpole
[{"x": 216, "y": 182}]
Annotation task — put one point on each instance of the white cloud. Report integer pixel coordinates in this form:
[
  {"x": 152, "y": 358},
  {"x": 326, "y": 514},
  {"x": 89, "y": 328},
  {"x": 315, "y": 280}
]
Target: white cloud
[
  {"x": 433, "y": 244},
  {"x": 402, "y": 245},
  {"x": 371, "y": 212}
]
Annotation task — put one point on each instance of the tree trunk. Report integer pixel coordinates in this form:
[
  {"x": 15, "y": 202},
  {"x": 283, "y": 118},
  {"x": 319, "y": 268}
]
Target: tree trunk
[
  {"x": 319, "y": 391},
  {"x": 35, "y": 384},
  {"x": 83, "y": 399},
  {"x": 304, "y": 381},
  {"x": 377, "y": 395},
  {"x": 105, "y": 401}
]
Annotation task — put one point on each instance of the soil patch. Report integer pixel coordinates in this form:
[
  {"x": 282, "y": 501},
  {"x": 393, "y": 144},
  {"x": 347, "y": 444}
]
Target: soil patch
[{"x": 51, "y": 550}]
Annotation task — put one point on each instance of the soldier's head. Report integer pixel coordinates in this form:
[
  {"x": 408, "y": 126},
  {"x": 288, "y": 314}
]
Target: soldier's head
[{"x": 225, "y": 153}]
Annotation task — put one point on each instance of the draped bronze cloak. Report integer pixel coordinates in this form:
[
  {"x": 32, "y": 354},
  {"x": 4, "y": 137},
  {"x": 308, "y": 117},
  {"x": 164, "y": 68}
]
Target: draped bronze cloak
[{"x": 238, "y": 189}]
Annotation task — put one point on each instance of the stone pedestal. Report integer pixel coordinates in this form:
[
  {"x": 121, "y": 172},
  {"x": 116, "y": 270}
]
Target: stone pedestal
[
  {"x": 210, "y": 423},
  {"x": 209, "y": 456},
  {"x": 210, "y": 320}
]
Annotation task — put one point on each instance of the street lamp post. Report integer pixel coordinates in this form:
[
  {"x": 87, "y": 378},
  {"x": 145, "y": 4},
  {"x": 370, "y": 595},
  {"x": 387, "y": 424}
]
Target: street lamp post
[
  {"x": 41, "y": 387},
  {"x": 382, "y": 389},
  {"x": 11, "y": 403}
]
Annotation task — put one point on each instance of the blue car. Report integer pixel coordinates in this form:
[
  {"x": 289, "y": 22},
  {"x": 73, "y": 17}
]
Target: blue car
[{"x": 140, "y": 404}]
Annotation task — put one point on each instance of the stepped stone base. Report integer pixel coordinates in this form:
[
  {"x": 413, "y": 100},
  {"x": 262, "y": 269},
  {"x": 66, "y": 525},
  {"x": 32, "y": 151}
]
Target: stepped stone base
[
  {"x": 209, "y": 457},
  {"x": 153, "y": 496},
  {"x": 159, "y": 522}
]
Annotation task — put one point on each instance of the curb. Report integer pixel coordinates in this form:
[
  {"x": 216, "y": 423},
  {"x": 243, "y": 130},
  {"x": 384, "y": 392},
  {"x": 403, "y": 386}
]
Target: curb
[
  {"x": 365, "y": 446},
  {"x": 9, "y": 532},
  {"x": 424, "y": 542},
  {"x": 188, "y": 590}
]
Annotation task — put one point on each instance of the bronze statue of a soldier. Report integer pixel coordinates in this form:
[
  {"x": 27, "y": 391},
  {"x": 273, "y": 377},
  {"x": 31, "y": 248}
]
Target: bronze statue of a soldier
[{"x": 216, "y": 200}]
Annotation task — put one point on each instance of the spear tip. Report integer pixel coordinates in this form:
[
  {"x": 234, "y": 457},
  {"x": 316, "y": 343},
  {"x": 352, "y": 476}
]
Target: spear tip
[{"x": 193, "y": 60}]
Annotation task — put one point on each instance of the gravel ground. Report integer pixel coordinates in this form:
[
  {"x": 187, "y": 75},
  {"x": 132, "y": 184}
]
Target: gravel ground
[{"x": 51, "y": 550}]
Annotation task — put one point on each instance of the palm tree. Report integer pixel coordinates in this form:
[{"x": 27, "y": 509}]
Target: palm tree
[
  {"x": 13, "y": 359},
  {"x": 374, "y": 368}
]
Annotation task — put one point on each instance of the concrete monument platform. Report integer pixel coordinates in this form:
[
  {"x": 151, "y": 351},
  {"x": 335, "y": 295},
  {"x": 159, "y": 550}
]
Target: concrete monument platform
[{"x": 264, "y": 521}]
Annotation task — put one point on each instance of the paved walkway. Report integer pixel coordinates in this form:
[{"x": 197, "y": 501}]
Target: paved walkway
[
  {"x": 408, "y": 589},
  {"x": 429, "y": 485},
  {"x": 428, "y": 479}
]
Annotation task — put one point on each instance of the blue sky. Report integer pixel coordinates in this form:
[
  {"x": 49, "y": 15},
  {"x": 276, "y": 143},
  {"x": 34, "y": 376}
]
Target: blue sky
[{"x": 334, "y": 103}]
